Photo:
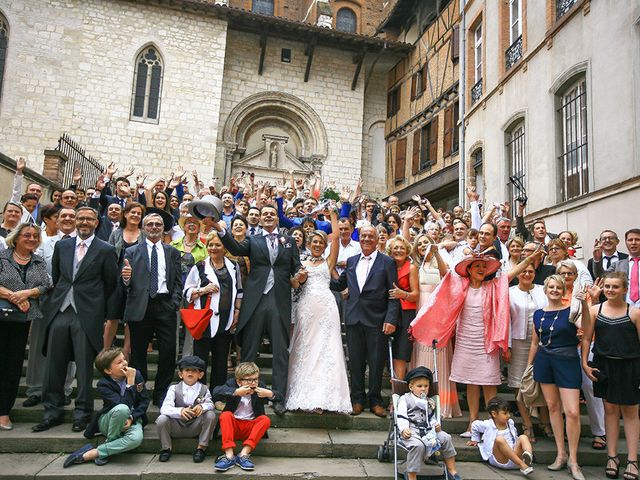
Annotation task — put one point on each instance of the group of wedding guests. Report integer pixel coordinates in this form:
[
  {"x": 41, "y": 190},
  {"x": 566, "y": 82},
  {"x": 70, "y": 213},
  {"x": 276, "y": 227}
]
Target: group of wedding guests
[{"x": 292, "y": 263}]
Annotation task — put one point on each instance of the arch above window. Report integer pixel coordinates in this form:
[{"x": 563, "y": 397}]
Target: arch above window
[
  {"x": 346, "y": 20},
  {"x": 147, "y": 85},
  {"x": 4, "y": 42}
]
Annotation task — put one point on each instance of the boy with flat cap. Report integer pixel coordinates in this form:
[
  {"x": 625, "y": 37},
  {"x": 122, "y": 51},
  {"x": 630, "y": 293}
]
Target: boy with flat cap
[
  {"x": 419, "y": 425},
  {"x": 187, "y": 410}
]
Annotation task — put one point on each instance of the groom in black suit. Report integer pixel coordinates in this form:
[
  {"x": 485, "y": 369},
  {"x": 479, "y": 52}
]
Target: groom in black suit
[
  {"x": 266, "y": 305},
  {"x": 370, "y": 317}
]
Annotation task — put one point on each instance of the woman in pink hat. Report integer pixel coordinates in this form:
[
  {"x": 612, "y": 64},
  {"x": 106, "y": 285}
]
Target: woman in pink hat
[{"x": 474, "y": 305}]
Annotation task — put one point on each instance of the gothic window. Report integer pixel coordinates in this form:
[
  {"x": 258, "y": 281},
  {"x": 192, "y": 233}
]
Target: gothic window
[
  {"x": 147, "y": 86},
  {"x": 346, "y": 21},
  {"x": 264, "y": 7},
  {"x": 4, "y": 41}
]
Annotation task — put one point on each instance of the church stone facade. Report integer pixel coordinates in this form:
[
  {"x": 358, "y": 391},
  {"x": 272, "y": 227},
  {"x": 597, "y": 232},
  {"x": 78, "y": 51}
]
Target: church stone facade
[{"x": 195, "y": 83}]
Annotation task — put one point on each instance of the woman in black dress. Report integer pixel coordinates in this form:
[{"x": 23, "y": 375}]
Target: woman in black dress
[{"x": 615, "y": 370}]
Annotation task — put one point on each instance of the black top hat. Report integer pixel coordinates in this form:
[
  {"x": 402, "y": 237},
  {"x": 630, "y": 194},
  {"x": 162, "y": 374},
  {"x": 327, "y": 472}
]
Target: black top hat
[
  {"x": 167, "y": 218},
  {"x": 191, "y": 361}
]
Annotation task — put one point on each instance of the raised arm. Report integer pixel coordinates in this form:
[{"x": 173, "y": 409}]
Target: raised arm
[
  {"x": 334, "y": 237},
  {"x": 519, "y": 268}
]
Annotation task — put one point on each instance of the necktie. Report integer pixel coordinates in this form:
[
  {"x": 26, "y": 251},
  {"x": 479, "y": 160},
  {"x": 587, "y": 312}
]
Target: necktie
[
  {"x": 65, "y": 236},
  {"x": 607, "y": 262},
  {"x": 272, "y": 240},
  {"x": 634, "y": 293},
  {"x": 253, "y": 230},
  {"x": 153, "y": 273},
  {"x": 82, "y": 249}
]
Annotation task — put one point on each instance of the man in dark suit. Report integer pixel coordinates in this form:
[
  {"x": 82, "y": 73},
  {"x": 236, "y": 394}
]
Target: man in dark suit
[
  {"x": 370, "y": 317},
  {"x": 109, "y": 221},
  {"x": 266, "y": 305},
  {"x": 605, "y": 254},
  {"x": 151, "y": 275},
  {"x": 84, "y": 271}
]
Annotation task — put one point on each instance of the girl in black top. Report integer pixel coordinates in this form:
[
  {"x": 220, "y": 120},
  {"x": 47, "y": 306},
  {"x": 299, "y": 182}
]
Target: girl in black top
[{"x": 615, "y": 370}]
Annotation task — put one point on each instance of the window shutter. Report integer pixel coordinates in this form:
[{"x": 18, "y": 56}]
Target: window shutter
[
  {"x": 401, "y": 159},
  {"x": 448, "y": 132},
  {"x": 424, "y": 76},
  {"x": 415, "y": 159},
  {"x": 413, "y": 86},
  {"x": 455, "y": 43},
  {"x": 433, "y": 141}
]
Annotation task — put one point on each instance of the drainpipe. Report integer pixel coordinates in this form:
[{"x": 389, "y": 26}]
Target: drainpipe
[{"x": 462, "y": 170}]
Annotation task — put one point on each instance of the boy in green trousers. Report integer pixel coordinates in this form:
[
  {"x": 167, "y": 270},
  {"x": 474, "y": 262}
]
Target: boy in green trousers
[{"x": 123, "y": 414}]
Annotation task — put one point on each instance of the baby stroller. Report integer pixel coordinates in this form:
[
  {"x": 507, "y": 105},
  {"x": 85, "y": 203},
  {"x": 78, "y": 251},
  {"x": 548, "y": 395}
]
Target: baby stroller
[{"x": 388, "y": 451}]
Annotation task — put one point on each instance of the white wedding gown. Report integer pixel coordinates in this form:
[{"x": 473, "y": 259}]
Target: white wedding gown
[{"x": 317, "y": 368}]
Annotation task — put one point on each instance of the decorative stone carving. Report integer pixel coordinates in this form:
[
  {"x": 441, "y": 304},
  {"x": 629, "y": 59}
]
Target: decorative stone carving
[{"x": 325, "y": 15}]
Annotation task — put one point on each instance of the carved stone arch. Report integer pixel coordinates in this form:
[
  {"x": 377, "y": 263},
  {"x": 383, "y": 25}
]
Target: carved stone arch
[{"x": 272, "y": 132}]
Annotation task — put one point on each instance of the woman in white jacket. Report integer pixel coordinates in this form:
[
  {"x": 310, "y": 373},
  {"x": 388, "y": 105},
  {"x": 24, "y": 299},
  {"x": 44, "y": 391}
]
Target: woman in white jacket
[{"x": 219, "y": 277}]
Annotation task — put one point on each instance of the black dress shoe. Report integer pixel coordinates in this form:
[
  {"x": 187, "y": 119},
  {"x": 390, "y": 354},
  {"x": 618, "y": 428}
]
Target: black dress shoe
[
  {"x": 79, "y": 426},
  {"x": 46, "y": 425},
  {"x": 279, "y": 409},
  {"x": 32, "y": 401},
  {"x": 165, "y": 455},
  {"x": 199, "y": 455},
  {"x": 67, "y": 400}
]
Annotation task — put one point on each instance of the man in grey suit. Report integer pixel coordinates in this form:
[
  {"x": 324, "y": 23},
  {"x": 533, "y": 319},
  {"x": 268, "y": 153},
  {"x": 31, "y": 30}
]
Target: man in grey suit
[
  {"x": 266, "y": 305},
  {"x": 84, "y": 271},
  {"x": 152, "y": 277}
]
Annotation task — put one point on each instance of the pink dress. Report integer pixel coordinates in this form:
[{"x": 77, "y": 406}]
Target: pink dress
[
  {"x": 471, "y": 363},
  {"x": 423, "y": 354}
]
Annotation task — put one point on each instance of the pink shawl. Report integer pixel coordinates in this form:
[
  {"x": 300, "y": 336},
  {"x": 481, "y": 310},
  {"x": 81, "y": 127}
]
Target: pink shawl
[{"x": 438, "y": 317}]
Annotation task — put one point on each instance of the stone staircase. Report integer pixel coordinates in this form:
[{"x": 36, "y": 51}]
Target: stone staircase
[{"x": 300, "y": 445}]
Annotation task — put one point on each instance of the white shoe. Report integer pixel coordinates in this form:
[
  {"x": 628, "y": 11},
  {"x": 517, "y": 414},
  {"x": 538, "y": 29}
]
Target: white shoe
[
  {"x": 527, "y": 457},
  {"x": 527, "y": 471},
  {"x": 466, "y": 435}
]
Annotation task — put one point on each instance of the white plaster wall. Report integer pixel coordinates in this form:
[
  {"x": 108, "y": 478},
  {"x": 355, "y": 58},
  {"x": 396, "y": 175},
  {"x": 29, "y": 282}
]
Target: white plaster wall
[
  {"x": 70, "y": 68},
  {"x": 607, "y": 41}
]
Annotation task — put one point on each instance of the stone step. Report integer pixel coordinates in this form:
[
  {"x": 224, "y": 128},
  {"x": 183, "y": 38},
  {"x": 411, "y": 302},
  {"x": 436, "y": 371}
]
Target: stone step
[
  {"x": 136, "y": 466},
  {"x": 282, "y": 442},
  {"x": 365, "y": 421}
]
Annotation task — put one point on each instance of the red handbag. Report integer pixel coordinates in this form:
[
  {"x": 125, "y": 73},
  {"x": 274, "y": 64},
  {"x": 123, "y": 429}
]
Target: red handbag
[{"x": 196, "y": 320}]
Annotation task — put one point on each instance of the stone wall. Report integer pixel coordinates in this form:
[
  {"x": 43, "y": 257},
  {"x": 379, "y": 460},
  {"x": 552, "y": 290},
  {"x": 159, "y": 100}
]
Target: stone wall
[
  {"x": 328, "y": 93},
  {"x": 70, "y": 69}
]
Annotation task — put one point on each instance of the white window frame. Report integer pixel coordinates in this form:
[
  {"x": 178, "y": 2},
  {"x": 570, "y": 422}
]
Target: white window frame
[
  {"x": 477, "y": 53},
  {"x": 574, "y": 124},
  {"x": 145, "y": 115},
  {"x": 515, "y": 21},
  {"x": 517, "y": 153}
]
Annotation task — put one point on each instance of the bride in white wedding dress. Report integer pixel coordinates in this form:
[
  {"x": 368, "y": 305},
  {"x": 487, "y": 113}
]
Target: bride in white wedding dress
[{"x": 317, "y": 368}]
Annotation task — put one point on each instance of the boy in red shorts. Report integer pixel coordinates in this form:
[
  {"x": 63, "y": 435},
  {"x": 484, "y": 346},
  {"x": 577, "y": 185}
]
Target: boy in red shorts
[{"x": 243, "y": 417}]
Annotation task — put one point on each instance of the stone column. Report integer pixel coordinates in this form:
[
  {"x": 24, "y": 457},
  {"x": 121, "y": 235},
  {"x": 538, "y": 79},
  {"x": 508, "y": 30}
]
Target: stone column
[{"x": 54, "y": 166}]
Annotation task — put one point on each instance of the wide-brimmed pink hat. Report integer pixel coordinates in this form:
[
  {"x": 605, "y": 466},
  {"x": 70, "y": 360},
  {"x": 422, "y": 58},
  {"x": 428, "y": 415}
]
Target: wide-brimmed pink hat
[{"x": 493, "y": 264}]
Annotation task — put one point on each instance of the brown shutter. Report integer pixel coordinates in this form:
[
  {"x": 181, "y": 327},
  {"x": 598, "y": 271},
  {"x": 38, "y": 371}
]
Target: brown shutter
[
  {"x": 433, "y": 141},
  {"x": 424, "y": 76},
  {"x": 415, "y": 159},
  {"x": 413, "y": 86},
  {"x": 456, "y": 133},
  {"x": 455, "y": 43},
  {"x": 448, "y": 132},
  {"x": 401, "y": 159}
]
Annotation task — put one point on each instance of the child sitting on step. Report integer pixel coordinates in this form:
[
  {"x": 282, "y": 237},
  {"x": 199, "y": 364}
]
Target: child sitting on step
[
  {"x": 419, "y": 426},
  {"x": 498, "y": 439},
  {"x": 187, "y": 410},
  {"x": 123, "y": 414},
  {"x": 243, "y": 417}
]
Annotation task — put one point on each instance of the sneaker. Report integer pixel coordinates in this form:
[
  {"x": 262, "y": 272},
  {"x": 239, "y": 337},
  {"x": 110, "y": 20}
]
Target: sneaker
[
  {"x": 527, "y": 457},
  {"x": 527, "y": 471},
  {"x": 101, "y": 461},
  {"x": 245, "y": 463},
  {"x": 76, "y": 457},
  {"x": 224, "y": 463}
]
